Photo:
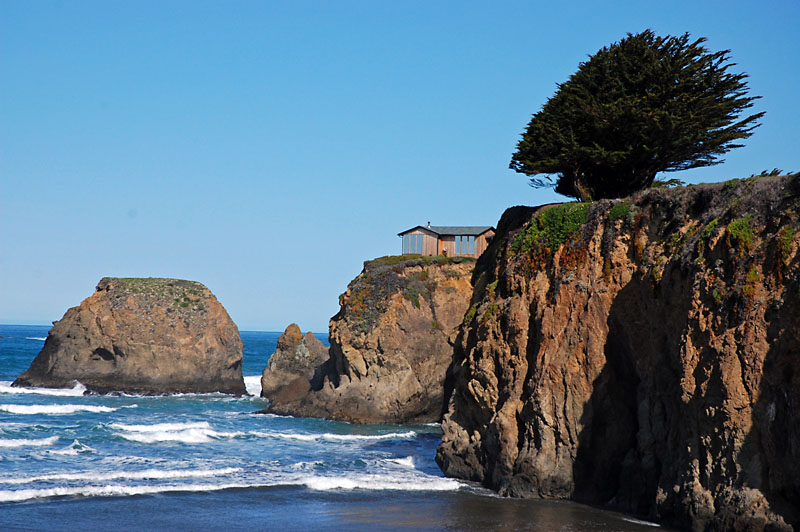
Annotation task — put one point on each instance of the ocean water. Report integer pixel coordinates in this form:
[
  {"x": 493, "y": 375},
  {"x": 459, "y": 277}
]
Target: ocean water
[{"x": 70, "y": 461}]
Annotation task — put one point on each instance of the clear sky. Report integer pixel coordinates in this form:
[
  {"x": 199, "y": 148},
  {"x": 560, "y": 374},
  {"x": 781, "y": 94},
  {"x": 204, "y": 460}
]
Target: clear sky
[{"x": 266, "y": 149}]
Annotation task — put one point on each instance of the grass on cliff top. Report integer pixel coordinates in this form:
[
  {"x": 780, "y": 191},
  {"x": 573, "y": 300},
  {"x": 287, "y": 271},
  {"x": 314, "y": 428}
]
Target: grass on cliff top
[
  {"x": 182, "y": 293},
  {"x": 550, "y": 228},
  {"x": 416, "y": 260}
]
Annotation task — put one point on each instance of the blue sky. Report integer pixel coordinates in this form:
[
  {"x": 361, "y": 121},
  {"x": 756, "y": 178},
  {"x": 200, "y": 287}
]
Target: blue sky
[{"x": 267, "y": 149}]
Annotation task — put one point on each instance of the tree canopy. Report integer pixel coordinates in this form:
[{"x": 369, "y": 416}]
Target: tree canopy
[{"x": 644, "y": 105}]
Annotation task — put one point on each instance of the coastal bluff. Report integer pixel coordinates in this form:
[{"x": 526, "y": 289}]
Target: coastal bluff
[
  {"x": 642, "y": 354},
  {"x": 389, "y": 349},
  {"x": 142, "y": 335}
]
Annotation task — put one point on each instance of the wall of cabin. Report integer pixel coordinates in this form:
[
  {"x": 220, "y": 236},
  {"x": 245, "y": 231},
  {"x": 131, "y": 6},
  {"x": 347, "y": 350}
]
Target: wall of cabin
[{"x": 433, "y": 244}]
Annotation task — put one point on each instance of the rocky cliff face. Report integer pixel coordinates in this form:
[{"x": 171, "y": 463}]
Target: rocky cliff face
[
  {"x": 642, "y": 354},
  {"x": 143, "y": 335},
  {"x": 294, "y": 367},
  {"x": 389, "y": 350}
]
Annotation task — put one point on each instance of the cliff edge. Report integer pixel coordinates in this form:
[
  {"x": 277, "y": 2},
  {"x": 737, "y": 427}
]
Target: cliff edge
[
  {"x": 389, "y": 347},
  {"x": 144, "y": 336},
  {"x": 640, "y": 354}
]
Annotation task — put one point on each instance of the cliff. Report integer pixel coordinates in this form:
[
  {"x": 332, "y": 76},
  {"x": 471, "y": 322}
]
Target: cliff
[
  {"x": 640, "y": 354},
  {"x": 142, "y": 335},
  {"x": 293, "y": 368},
  {"x": 389, "y": 350}
]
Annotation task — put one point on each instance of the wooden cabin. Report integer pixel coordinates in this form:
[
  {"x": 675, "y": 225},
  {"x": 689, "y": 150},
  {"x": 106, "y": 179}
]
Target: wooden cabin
[{"x": 453, "y": 241}]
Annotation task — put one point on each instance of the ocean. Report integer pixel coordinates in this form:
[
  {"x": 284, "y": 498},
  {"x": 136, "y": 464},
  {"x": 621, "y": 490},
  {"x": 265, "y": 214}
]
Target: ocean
[{"x": 70, "y": 461}]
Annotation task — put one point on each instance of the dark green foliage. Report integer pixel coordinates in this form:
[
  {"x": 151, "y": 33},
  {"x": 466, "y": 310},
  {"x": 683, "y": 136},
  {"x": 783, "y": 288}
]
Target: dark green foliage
[
  {"x": 470, "y": 315},
  {"x": 619, "y": 211},
  {"x": 785, "y": 243},
  {"x": 740, "y": 235},
  {"x": 644, "y": 105},
  {"x": 705, "y": 235}
]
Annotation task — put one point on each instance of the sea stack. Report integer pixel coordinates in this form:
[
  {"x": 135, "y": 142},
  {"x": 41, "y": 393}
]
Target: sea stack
[
  {"x": 142, "y": 335},
  {"x": 294, "y": 367}
]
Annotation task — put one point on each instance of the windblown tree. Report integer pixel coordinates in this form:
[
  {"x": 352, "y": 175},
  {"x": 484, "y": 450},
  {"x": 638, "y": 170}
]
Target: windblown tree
[{"x": 644, "y": 105}]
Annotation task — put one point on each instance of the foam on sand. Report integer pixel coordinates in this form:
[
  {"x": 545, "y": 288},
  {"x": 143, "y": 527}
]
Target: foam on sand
[
  {"x": 147, "y": 474},
  {"x": 110, "y": 490},
  {"x": 403, "y": 482}
]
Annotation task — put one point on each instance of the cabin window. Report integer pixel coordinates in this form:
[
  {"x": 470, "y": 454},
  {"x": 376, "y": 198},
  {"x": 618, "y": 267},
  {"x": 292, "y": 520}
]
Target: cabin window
[
  {"x": 412, "y": 244},
  {"x": 465, "y": 245}
]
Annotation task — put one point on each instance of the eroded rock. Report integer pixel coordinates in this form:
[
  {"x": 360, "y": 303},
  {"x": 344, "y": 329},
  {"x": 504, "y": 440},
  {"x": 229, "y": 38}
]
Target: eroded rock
[
  {"x": 145, "y": 336},
  {"x": 389, "y": 344},
  {"x": 294, "y": 367},
  {"x": 647, "y": 360}
]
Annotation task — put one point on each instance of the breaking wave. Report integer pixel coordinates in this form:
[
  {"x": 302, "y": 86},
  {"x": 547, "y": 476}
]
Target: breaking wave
[
  {"x": 200, "y": 432},
  {"x": 56, "y": 409},
  {"x": 41, "y": 442},
  {"x": 76, "y": 391}
]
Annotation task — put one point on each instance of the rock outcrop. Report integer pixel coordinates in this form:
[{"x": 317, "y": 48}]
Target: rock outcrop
[
  {"x": 144, "y": 336},
  {"x": 294, "y": 368},
  {"x": 389, "y": 343},
  {"x": 642, "y": 354}
]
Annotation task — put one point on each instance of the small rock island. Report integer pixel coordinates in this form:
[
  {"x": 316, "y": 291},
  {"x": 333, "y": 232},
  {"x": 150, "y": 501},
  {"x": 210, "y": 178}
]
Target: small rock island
[{"x": 142, "y": 335}]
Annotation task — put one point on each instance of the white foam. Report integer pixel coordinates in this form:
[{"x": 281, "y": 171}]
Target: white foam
[
  {"x": 161, "y": 427},
  {"x": 40, "y": 338},
  {"x": 253, "y": 384},
  {"x": 408, "y": 461},
  {"x": 302, "y": 466},
  {"x": 75, "y": 391},
  {"x": 111, "y": 491},
  {"x": 74, "y": 449},
  {"x": 200, "y": 432},
  {"x": 42, "y": 442},
  {"x": 55, "y": 409},
  {"x": 381, "y": 482},
  {"x": 337, "y": 437},
  {"x": 148, "y": 474},
  {"x": 640, "y": 522}
]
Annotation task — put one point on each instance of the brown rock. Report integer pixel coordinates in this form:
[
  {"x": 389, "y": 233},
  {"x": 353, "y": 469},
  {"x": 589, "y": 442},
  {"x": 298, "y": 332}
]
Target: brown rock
[
  {"x": 649, "y": 363},
  {"x": 145, "y": 336},
  {"x": 291, "y": 369},
  {"x": 389, "y": 344}
]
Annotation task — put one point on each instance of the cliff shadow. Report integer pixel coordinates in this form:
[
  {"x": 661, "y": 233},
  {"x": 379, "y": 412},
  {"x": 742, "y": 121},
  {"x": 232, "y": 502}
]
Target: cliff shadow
[
  {"x": 770, "y": 456},
  {"x": 632, "y": 408}
]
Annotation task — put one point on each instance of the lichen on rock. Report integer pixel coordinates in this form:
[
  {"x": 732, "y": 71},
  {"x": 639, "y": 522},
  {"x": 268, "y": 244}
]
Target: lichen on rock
[{"x": 144, "y": 335}]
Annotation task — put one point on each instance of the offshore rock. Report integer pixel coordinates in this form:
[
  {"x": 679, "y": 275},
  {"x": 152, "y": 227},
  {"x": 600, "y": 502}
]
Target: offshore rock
[
  {"x": 143, "y": 336},
  {"x": 389, "y": 343},
  {"x": 294, "y": 367},
  {"x": 642, "y": 354}
]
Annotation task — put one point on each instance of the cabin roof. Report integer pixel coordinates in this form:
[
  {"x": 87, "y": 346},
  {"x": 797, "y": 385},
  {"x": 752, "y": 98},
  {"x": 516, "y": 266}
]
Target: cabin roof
[{"x": 452, "y": 230}]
